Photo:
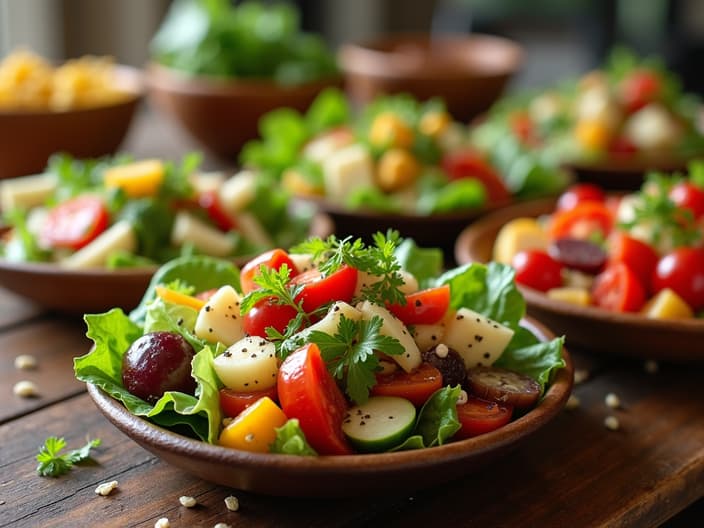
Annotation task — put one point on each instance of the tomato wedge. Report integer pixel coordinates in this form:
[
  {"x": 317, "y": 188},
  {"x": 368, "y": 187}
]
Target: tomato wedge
[
  {"x": 267, "y": 313},
  {"x": 471, "y": 164},
  {"x": 536, "y": 269},
  {"x": 210, "y": 201},
  {"x": 682, "y": 270},
  {"x": 416, "y": 386},
  {"x": 618, "y": 289},
  {"x": 584, "y": 220},
  {"x": 233, "y": 403},
  {"x": 75, "y": 223},
  {"x": 308, "y": 392},
  {"x": 319, "y": 289},
  {"x": 273, "y": 259},
  {"x": 423, "y": 307},
  {"x": 479, "y": 416},
  {"x": 579, "y": 193},
  {"x": 637, "y": 255}
]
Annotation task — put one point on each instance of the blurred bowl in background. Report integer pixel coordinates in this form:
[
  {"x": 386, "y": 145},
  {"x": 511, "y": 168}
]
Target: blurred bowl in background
[
  {"x": 468, "y": 71},
  {"x": 628, "y": 174},
  {"x": 28, "y": 138},
  {"x": 223, "y": 114}
]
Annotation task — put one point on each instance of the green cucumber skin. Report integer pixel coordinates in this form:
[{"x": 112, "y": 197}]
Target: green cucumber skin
[{"x": 369, "y": 429}]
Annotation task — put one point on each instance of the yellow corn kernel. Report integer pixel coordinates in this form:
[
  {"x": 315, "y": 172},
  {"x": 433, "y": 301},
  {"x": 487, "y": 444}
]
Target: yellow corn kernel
[
  {"x": 397, "y": 169},
  {"x": 667, "y": 305},
  {"x": 592, "y": 134},
  {"x": 573, "y": 295},
  {"x": 297, "y": 184},
  {"x": 254, "y": 429},
  {"x": 434, "y": 123},
  {"x": 174, "y": 297},
  {"x": 388, "y": 130},
  {"x": 519, "y": 235},
  {"x": 142, "y": 178}
]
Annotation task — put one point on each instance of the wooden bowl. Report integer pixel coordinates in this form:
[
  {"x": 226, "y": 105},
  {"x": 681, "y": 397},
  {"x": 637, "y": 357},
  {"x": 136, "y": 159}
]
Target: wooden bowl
[
  {"x": 339, "y": 476},
  {"x": 223, "y": 114},
  {"x": 587, "y": 326},
  {"x": 27, "y": 138},
  {"x": 468, "y": 71}
]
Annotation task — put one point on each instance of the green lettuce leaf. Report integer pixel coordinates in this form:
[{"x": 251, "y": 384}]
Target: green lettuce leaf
[
  {"x": 425, "y": 264},
  {"x": 290, "y": 440},
  {"x": 169, "y": 317}
]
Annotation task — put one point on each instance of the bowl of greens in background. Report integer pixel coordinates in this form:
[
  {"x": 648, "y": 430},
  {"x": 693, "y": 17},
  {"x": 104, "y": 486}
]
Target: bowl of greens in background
[{"x": 216, "y": 69}]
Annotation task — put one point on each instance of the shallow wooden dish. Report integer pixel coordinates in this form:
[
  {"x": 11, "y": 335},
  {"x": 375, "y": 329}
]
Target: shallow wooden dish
[
  {"x": 339, "y": 476},
  {"x": 586, "y": 326}
]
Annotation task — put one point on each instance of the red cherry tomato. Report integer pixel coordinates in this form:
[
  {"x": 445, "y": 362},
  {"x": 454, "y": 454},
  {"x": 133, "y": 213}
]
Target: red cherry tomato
[
  {"x": 524, "y": 128},
  {"x": 75, "y": 223},
  {"x": 682, "y": 270},
  {"x": 210, "y": 201},
  {"x": 319, "y": 289},
  {"x": 640, "y": 258},
  {"x": 416, "y": 386},
  {"x": 307, "y": 391},
  {"x": 578, "y": 193},
  {"x": 480, "y": 416},
  {"x": 622, "y": 147},
  {"x": 538, "y": 270},
  {"x": 618, "y": 289},
  {"x": 584, "y": 220},
  {"x": 267, "y": 313},
  {"x": 233, "y": 403},
  {"x": 273, "y": 259},
  {"x": 470, "y": 164},
  {"x": 423, "y": 307},
  {"x": 640, "y": 88},
  {"x": 688, "y": 196}
]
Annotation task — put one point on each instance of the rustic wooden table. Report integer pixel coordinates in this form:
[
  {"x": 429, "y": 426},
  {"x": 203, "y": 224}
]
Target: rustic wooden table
[{"x": 574, "y": 472}]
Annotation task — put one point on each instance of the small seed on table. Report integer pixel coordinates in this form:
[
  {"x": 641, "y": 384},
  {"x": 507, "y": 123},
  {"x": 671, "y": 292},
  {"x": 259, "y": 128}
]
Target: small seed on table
[
  {"x": 612, "y": 423},
  {"x": 612, "y": 401},
  {"x": 572, "y": 402},
  {"x": 232, "y": 503},
  {"x": 188, "y": 502},
  {"x": 580, "y": 376},
  {"x": 651, "y": 367},
  {"x": 25, "y": 362},
  {"x": 162, "y": 523},
  {"x": 222, "y": 525},
  {"x": 25, "y": 389},
  {"x": 106, "y": 488}
]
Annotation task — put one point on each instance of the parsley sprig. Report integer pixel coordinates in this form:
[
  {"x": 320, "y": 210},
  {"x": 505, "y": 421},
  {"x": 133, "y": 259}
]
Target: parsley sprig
[
  {"x": 54, "y": 464},
  {"x": 350, "y": 356}
]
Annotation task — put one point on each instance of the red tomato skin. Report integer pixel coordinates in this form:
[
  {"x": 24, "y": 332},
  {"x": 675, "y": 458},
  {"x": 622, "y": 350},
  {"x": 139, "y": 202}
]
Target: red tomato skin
[
  {"x": 210, "y": 201},
  {"x": 639, "y": 88},
  {"x": 423, "y": 307},
  {"x": 308, "y": 392},
  {"x": 75, "y": 223},
  {"x": 524, "y": 128},
  {"x": 637, "y": 255},
  {"x": 416, "y": 386},
  {"x": 581, "y": 221},
  {"x": 538, "y": 270},
  {"x": 618, "y": 289},
  {"x": 273, "y": 259},
  {"x": 479, "y": 416},
  {"x": 267, "y": 313},
  {"x": 233, "y": 403},
  {"x": 622, "y": 147},
  {"x": 682, "y": 270},
  {"x": 578, "y": 193},
  {"x": 470, "y": 164},
  {"x": 688, "y": 196},
  {"x": 319, "y": 290}
]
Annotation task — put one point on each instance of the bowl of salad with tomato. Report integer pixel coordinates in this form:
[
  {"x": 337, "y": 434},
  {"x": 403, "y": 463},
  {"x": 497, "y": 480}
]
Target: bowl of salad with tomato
[
  {"x": 320, "y": 371},
  {"x": 87, "y": 235},
  {"x": 617, "y": 272},
  {"x": 610, "y": 126},
  {"x": 398, "y": 163}
]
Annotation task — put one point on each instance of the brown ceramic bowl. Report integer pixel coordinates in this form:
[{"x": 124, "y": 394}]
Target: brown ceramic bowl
[
  {"x": 468, "y": 71},
  {"x": 339, "y": 476},
  {"x": 27, "y": 139},
  {"x": 586, "y": 326},
  {"x": 223, "y": 114}
]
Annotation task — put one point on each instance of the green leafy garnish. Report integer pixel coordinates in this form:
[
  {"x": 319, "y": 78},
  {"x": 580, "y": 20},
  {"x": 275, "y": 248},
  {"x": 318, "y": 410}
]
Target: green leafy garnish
[
  {"x": 54, "y": 464},
  {"x": 290, "y": 440},
  {"x": 437, "y": 421}
]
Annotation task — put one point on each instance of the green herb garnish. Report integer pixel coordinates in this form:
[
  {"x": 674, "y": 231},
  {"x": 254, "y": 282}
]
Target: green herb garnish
[{"x": 54, "y": 464}]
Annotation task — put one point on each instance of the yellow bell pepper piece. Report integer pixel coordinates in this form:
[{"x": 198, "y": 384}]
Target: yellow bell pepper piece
[
  {"x": 667, "y": 305},
  {"x": 388, "y": 131},
  {"x": 592, "y": 134},
  {"x": 174, "y": 297},
  {"x": 139, "y": 179},
  {"x": 434, "y": 123},
  {"x": 397, "y": 169},
  {"x": 254, "y": 429},
  {"x": 518, "y": 235},
  {"x": 570, "y": 294}
]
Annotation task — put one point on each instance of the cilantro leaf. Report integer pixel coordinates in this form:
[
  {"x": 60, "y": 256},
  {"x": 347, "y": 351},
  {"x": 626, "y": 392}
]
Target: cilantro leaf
[{"x": 54, "y": 464}]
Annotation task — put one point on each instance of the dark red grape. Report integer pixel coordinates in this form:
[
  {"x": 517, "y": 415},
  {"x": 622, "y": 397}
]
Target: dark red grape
[
  {"x": 503, "y": 386},
  {"x": 580, "y": 255},
  {"x": 448, "y": 362},
  {"x": 158, "y": 362}
]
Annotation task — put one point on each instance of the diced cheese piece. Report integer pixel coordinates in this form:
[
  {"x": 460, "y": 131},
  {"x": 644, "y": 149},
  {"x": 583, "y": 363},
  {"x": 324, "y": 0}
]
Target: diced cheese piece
[
  {"x": 667, "y": 305},
  {"x": 26, "y": 192},
  {"x": 452, "y": 138},
  {"x": 188, "y": 228},
  {"x": 652, "y": 127},
  {"x": 571, "y": 294},
  {"x": 576, "y": 279},
  {"x": 322, "y": 147},
  {"x": 330, "y": 323},
  {"x": 303, "y": 261},
  {"x": 219, "y": 320},
  {"x": 410, "y": 359},
  {"x": 364, "y": 280},
  {"x": 545, "y": 107},
  {"x": 519, "y": 235},
  {"x": 346, "y": 170},
  {"x": 250, "y": 364},
  {"x": 239, "y": 191},
  {"x": 141, "y": 178},
  {"x": 36, "y": 218},
  {"x": 204, "y": 182},
  {"x": 119, "y": 237},
  {"x": 428, "y": 335},
  {"x": 479, "y": 340},
  {"x": 252, "y": 229}
]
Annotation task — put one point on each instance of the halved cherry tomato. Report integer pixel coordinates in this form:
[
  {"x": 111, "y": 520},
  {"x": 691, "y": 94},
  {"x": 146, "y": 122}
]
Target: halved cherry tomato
[
  {"x": 538, "y": 270},
  {"x": 682, "y": 270},
  {"x": 640, "y": 88},
  {"x": 470, "y": 164},
  {"x": 524, "y": 128},
  {"x": 308, "y": 392},
  {"x": 273, "y": 259},
  {"x": 266, "y": 313},
  {"x": 578, "y": 193},
  {"x": 688, "y": 196},
  {"x": 423, "y": 307},
  {"x": 584, "y": 220},
  {"x": 637, "y": 255},
  {"x": 416, "y": 386},
  {"x": 210, "y": 201},
  {"x": 618, "y": 289},
  {"x": 479, "y": 416},
  {"x": 319, "y": 289},
  {"x": 233, "y": 403},
  {"x": 75, "y": 223}
]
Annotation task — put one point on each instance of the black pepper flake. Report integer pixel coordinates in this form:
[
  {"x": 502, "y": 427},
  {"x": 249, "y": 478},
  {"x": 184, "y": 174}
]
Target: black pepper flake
[
  {"x": 367, "y": 416},
  {"x": 271, "y": 355},
  {"x": 469, "y": 345},
  {"x": 418, "y": 302},
  {"x": 246, "y": 384},
  {"x": 459, "y": 317},
  {"x": 434, "y": 337},
  {"x": 359, "y": 412},
  {"x": 391, "y": 417},
  {"x": 227, "y": 353},
  {"x": 487, "y": 355},
  {"x": 180, "y": 321},
  {"x": 479, "y": 363},
  {"x": 253, "y": 356},
  {"x": 408, "y": 355},
  {"x": 478, "y": 338},
  {"x": 207, "y": 308},
  {"x": 496, "y": 326},
  {"x": 244, "y": 350},
  {"x": 362, "y": 423},
  {"x": 262, "y": 343},
  {"x": 256, "y": 382},
  {"x": 210, "y": 330},
  {"x": 479, "y": 320},
  {"x": 233, "y": 316},
  {"x": 273, "y": 374},
  {"x": 336, "y": 309},
  {"x": 347, "y": 421},
  {"x": 229, "y": 307}
]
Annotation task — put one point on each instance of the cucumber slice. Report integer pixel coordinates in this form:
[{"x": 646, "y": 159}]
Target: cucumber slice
[{"x": 379, "y": 424}]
